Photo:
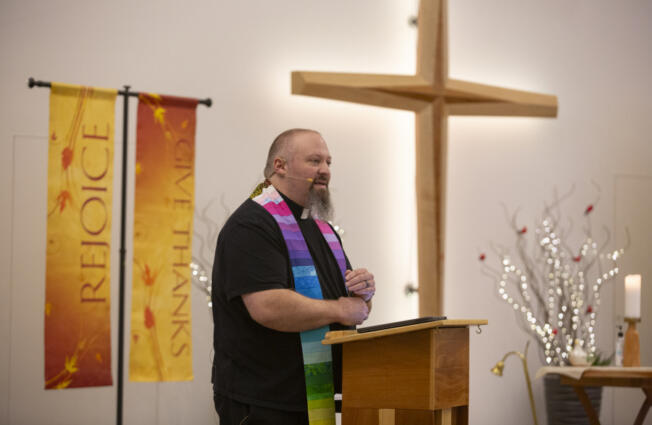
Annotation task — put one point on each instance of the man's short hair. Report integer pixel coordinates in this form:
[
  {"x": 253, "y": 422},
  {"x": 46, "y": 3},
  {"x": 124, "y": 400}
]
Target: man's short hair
[{"x": 280, "y": 147}]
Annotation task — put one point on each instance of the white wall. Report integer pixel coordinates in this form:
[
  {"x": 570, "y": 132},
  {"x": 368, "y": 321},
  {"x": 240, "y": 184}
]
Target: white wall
[{"x": 594, "y": 55}]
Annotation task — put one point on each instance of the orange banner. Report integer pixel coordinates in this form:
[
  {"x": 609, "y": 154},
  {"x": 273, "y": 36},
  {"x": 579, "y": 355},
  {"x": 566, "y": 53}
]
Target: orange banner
[
  {"x": 161, "y": 338},
  {"x": 77, "y": 293}
]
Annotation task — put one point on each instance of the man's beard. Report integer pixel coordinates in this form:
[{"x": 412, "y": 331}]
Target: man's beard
[{"x": 319, "y": 204}]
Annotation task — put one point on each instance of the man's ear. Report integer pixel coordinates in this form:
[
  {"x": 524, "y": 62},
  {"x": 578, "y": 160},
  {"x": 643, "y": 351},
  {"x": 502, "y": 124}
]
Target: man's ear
[{"x": 280, "y": 166}]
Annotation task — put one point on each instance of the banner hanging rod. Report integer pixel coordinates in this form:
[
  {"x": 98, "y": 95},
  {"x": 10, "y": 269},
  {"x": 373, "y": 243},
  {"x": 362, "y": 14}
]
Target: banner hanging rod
[{"x": 31, "y": 83}]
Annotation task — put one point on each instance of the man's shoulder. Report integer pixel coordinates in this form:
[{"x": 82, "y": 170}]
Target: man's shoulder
[
  {"x": 249, "y": 231},
  {"x": 249, "y": 215}
]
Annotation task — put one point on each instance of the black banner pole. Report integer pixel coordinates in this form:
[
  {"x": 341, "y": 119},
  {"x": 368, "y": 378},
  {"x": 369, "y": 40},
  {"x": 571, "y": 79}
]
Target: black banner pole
[
  {"x": 123, "y": 225},
  {"x": 31, "y": 83}
]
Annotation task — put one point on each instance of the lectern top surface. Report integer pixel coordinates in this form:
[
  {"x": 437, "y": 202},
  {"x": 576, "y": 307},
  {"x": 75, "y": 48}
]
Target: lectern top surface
[
  {"x": 340, "y": 337},
  {"x": 400, "y": 324}
]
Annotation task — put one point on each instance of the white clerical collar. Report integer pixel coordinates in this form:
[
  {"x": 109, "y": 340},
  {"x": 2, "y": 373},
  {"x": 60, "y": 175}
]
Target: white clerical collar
[{"x": 305, "y": 214}]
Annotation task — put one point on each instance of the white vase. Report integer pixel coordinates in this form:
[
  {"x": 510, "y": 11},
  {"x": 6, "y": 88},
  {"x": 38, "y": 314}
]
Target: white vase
[{"x": 578, "y": 356}]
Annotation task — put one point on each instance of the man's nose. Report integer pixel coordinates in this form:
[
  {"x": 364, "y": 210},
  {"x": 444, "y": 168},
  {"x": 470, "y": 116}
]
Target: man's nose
[{"x": 325, "y": 169}]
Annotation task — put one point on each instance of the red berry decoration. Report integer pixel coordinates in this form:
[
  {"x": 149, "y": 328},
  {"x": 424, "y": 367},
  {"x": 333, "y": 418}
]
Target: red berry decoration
[
  {"x": 523, "y": 230},
  {"x": 482, "y": 257},
  {"x": 577, "y": 259},
  {"x": 554, "y": 331},
  {"x": 588, "y": 209},
  {"x": 589, "y": 310}
]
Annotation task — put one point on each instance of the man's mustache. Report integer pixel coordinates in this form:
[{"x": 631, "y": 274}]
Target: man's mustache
[{"x": 320, "y": 180}]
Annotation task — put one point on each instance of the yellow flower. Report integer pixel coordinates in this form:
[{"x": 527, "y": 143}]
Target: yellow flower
[
  {"x": 159, "y": 115},
  {"x": 63, "y": 384},
  {"x": 71, "y": 364}
]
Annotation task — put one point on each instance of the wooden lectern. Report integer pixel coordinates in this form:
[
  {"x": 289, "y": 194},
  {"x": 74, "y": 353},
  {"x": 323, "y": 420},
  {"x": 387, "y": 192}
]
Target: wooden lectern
[{"x": 412, "y": 375}]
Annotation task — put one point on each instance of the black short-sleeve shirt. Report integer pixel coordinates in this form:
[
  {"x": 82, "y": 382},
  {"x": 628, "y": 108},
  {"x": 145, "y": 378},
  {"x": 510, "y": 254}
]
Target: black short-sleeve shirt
[{"x": 254, "y": 364}]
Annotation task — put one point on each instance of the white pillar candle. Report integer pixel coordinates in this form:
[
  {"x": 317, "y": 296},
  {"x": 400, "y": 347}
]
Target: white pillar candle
[{"x": 633, "y": 296}]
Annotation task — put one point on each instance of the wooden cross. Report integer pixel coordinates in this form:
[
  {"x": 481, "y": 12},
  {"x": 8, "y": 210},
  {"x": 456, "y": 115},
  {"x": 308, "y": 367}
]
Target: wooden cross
[{"x": 432, "y": 96}]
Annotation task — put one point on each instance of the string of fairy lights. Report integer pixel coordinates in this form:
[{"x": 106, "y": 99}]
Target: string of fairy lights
[{"x": 551, "y": 290}]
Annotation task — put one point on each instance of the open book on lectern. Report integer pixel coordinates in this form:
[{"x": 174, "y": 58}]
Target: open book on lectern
[{"x": 401, "y": 323}]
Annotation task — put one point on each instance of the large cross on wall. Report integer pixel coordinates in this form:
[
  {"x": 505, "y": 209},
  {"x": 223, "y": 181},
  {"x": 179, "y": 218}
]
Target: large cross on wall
[{"x": 433, "y": 97}]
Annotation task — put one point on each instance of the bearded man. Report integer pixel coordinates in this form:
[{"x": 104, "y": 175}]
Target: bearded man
[{"x": 280, "y": 281}]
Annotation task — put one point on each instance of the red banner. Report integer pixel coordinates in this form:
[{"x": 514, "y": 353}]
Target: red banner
[
  {"x": 77, "y": 293},
  {"x": 161, "y": 337}
]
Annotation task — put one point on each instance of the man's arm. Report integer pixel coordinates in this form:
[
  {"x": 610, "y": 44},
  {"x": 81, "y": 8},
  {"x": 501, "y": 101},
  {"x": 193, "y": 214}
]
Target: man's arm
[{"x": 287, "y": 311}]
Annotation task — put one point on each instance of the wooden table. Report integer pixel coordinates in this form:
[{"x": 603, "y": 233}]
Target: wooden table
[{"x": 640, "y": 377}]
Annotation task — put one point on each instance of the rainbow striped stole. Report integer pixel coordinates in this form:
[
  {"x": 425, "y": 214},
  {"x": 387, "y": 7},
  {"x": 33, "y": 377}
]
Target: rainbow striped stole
[{"x": 317, "y": 360}]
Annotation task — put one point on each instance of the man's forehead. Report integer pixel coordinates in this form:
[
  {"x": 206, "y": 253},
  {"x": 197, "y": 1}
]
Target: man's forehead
[{"x": 309, "y": 143}]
